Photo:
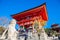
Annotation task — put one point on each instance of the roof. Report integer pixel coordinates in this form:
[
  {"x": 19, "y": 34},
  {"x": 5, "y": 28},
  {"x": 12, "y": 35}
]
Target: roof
[
  {"x": 55, "y": 25},
  {"x": 36, "y": 11}
]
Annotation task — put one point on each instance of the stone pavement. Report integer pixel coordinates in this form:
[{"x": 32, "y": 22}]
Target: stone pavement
[{"x": 50, "y": 38}]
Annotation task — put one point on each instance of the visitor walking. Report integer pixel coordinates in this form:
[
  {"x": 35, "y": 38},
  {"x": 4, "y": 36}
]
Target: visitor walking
[
  {"x": 59, "y": 37},
  {"x": 53, "y": 37},
  {"x": 38, "y": 31}
]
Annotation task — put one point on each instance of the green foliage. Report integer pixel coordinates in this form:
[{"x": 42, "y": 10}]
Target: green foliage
[
  {"x": 47, "y": 30},
  {"x": 50, "y": 31},
  {"x": 36, "y": 24},
  {"x": 2, "y": 30}
]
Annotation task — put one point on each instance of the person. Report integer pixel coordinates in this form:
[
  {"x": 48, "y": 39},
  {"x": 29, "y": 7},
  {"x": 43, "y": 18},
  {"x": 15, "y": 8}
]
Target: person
[
  {"x": 53, "y": 37},
  {"x": 30, "y": 32},
  {"x": 26, "y": 36},
  {"x": 38, "y": 31},
  {"x": 59, "y": 37}
]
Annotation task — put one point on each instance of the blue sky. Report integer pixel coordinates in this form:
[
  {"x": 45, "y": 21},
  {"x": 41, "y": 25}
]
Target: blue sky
[{"x": 9, "y": 7}]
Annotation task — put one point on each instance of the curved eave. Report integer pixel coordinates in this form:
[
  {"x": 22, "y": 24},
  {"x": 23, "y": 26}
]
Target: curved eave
[{"x": 32, "y": 11}]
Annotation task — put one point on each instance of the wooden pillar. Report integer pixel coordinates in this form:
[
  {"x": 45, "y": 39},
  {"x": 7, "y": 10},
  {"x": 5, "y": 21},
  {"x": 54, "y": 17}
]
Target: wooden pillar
[
  {"x": 23, "y": 26},
  {"x": 39, "y": 21},
  {"x": 33, "y": 26},
  {"x": 40, "y": 26}
]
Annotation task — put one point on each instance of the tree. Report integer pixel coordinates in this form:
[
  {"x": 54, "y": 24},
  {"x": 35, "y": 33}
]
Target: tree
[
  {"x": 3, "y": 21},
  {"x": 3, "y": 24},
  {"x": 49, "y": 31},
  {"x": 1, "y": 30}
]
